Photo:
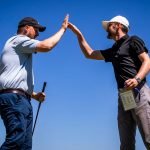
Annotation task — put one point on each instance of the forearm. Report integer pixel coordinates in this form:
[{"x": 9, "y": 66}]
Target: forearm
[
  {"x": 86, "y": 49},
  {"x": 144, "y": 70},
  {"x": 48, "y": 44}
]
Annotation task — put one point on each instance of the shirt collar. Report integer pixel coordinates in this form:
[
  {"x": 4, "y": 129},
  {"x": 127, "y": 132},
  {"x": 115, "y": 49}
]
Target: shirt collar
[{"x": 120, "y": 41}]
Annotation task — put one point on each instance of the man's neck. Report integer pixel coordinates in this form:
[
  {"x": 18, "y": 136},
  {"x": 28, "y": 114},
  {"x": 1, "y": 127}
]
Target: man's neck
[{"x": 119, "y": 36}]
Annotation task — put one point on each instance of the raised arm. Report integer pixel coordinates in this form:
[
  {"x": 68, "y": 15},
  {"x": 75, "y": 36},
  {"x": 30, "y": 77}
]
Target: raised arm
[
  {"x": 85, "y": 47},
  {"x": 47, "y": 44}
]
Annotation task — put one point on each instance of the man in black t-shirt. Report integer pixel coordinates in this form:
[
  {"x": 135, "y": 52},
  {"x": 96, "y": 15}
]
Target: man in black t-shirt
[{"x": 131, "y": 64}]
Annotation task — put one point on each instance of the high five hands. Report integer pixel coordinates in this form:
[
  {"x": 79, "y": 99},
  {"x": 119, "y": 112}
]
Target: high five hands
[
  {"x": 65, "y": 22},
  {"x": 74, "y": 29}
]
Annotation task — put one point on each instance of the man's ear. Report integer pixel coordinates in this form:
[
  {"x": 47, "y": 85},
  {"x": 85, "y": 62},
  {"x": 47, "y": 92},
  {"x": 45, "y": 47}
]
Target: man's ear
[{"x": 25, "y": 29}]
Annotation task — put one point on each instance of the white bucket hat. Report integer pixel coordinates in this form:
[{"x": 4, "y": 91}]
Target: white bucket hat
[{"x": 119, "y": 19}]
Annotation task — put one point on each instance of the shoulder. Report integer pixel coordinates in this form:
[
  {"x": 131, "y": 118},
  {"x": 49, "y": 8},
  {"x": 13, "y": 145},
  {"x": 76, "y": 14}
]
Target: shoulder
[
  {"x": 137, "y": 43},
  {"x": 17, "y": 39},
  {"x": 135, "y": 38},
  {"x": 23, "y": 39}
]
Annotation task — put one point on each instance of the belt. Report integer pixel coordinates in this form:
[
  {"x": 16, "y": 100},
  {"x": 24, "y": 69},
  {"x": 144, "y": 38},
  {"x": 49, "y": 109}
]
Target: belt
[{"x": 16, "y": 91}]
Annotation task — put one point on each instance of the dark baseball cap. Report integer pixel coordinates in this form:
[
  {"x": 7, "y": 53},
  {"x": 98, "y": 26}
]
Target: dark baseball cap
[{"x": 31, "y": 22}]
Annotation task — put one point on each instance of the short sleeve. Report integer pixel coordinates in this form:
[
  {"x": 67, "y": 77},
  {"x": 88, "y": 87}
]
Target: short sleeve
[
  {"x": 26, "y": 45},
  {"x": 138, "y": 45},
  {"x": 107, "y": 54}
]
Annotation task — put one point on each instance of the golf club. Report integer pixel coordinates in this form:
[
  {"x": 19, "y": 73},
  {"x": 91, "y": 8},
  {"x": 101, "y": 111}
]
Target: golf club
[{"x": 43, "y": 89}]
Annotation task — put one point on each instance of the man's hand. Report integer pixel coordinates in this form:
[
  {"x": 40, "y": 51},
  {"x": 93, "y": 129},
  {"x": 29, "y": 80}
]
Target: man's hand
[
  {"x": 74, "y": 29},
  {"x": 131, "y": 83},
  {"x": 65, "y": 22},
  {"x": 40, "y": 96}
]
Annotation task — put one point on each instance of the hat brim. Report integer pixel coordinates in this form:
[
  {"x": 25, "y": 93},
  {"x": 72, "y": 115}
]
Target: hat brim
[
  {"x": 105, "y": 24},
  {"x": 40, "y": 27}
]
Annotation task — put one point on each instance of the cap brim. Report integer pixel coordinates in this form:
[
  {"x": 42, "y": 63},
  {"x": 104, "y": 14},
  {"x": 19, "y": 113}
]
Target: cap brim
[
  {"x": 41, "y": 28},
  {"x": 105, "y": 24}
]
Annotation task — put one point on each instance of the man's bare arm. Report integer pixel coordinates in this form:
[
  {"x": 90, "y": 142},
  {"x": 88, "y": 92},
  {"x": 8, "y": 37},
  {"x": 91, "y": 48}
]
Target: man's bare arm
[
  {"x": 85, "y": 47},
  {"x": 47, "y": 44}
]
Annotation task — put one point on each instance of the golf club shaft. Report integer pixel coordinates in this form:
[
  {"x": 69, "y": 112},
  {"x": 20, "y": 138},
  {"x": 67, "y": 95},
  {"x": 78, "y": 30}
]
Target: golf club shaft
[{"x": 43, "y": 89}]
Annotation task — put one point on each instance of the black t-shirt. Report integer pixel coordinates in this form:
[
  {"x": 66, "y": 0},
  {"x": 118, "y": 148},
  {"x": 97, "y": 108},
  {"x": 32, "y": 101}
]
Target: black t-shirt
[{"x": 124, "y": 57}]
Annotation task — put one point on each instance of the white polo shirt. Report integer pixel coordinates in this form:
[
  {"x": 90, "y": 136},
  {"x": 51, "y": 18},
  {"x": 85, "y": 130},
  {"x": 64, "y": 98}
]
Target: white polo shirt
[{"x": 16, "y": 63}]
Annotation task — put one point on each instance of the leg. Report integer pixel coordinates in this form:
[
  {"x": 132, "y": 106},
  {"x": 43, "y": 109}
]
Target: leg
[
  {"x": 14, "y": 112},
  {"x": 28, "y": 137},
  {"x": 142, "y": 114},
  {"x": 127, "y": 128}
]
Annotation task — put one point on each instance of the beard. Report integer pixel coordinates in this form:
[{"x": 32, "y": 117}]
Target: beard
[
  {"x": 109, "y": 36},
  {"x": 112, "y": 33}
]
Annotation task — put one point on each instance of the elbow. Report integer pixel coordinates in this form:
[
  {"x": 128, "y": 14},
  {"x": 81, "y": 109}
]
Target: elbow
[
  {"x": 41, "y": 47},
  {"x": 88, "y": 56},
  {"x": 47, "y": 48}
]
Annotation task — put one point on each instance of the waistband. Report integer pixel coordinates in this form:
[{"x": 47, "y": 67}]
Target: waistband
[
  {"x": 140, "y": 85},
  {"x": 16, "y": 91}
]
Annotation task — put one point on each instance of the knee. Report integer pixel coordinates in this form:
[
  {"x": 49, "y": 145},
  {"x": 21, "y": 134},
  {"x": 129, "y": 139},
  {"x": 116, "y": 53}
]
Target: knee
[{"x": 13, "y": 143}]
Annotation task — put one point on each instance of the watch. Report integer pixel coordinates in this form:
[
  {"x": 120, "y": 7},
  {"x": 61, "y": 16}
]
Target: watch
[{"x": 138, "y": 80}]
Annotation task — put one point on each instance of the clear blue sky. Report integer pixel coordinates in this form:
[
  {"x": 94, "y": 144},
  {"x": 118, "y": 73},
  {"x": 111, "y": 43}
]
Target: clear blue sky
[{"x": 80, "y": 111}]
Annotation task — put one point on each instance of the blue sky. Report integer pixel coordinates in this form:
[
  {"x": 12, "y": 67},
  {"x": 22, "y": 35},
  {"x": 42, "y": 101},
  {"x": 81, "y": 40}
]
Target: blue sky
[{"x": 80, "y": 111}]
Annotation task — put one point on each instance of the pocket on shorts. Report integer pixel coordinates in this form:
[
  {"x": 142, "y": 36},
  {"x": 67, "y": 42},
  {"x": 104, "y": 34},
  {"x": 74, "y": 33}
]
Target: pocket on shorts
[
  {"x": 148, "y": 110},
  {"x": 147, "y": 135},
  {"x": 148, "y": 116}
]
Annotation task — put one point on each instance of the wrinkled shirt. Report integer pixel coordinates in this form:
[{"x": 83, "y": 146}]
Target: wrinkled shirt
[{"x": 16, "y": 63}]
